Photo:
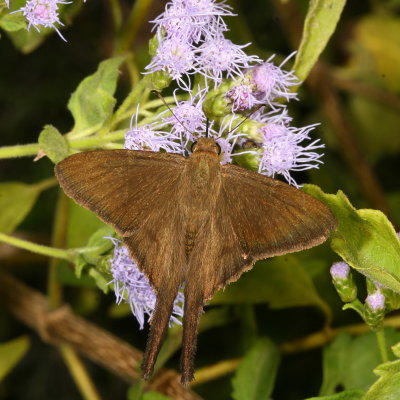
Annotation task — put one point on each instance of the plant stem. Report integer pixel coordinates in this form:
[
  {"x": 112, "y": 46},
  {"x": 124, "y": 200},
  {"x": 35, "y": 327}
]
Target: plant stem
[
  {"x": 37, "y": 248},
  {"x": 79, "y": 373},
  {"x": 380, "y": 335},
  {"x": 20, "y": 150},
  {"x": 135, "y": 20}
]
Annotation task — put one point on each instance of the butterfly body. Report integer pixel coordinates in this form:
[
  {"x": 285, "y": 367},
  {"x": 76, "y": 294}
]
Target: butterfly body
[{"x": 191, "y": 222}]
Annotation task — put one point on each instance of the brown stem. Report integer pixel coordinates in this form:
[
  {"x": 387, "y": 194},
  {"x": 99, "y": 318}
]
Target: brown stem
[{"x": 62, "y": 326}]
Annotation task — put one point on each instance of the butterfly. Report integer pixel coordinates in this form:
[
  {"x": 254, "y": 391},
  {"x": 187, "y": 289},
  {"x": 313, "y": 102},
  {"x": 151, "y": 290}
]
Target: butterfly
[{"x": 192, "y": 222}]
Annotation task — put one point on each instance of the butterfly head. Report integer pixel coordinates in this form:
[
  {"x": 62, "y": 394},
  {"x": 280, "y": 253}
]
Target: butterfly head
[{"x": 207, "y": 145}]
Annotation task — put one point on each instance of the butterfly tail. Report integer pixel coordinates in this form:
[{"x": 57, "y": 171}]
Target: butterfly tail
[
  {"x": 193, "y": 309},
  {"x": 159, "y": 324}
]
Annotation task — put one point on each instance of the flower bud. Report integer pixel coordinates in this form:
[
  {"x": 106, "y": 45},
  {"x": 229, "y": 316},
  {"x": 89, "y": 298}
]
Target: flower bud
[
  {"x": 375, "y": 309},
  {"x": 343, "y": 281}
]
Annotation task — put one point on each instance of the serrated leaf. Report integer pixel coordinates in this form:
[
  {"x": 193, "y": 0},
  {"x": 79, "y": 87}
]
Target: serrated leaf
[
  {"x": 349, "y": 362},
  {"x": 11, "y": 353},
  {"x": 16, "y": 200},
  {"x": 365, "y": 239},
  {"x": 387, "y": 387},
  {"x": 92, "y": 103},
  {"x": 320, "y": 23},
  {"x": 255, "y": 376},
  {"x": 281, "y": 282},
  {"x": 346, "y": 395},
  {"x": 53, "y": 144}
]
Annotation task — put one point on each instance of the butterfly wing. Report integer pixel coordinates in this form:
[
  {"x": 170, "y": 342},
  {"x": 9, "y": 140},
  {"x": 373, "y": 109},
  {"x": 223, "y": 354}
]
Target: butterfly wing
[
  {"x": 134, "y": 191},
  {"x": 256, "y": 217}
]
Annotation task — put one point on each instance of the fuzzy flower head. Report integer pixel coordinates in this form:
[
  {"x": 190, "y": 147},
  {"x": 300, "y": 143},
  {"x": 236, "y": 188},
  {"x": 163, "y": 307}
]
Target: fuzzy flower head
[
  {"x": 241, "y": 97},
  {"x": 149, "y": 137},
  {"x": 340, "y": 270},
  {"x": 376, "y": 301},
  {"x": 218, "y": 56},
  {"x": 132, "y": 286},
  {"x": 271, "y": 82},
  {"x": 282, "y": 151},
  {"x": 193, "y": 19},
  {"x": 43, "y": 13}
]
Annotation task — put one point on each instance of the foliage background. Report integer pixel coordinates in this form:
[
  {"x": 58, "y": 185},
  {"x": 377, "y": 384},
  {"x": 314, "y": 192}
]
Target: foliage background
[{"x": 359, "y": 72}]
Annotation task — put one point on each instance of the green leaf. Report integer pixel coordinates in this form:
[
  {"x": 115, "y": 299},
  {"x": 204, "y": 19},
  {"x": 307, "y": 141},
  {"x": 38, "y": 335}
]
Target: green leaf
[
  {"x": 321, "y": 20},
  {"x": 11, "y": 353},
  {"x": 387, "y": 387},
  {"x": 93, "y": 102},
  {"x": 280, "y": 281},
  {"x": 12, "y": 22},
  {"x": 16, "y": 200},
  {"x": 255, "y": 376},
  {"x": 53, "y": 144},
  {"x": 346, "y": 395},
  {"x": 349, "y": 362},
  {"x": 365, "y": 239}
]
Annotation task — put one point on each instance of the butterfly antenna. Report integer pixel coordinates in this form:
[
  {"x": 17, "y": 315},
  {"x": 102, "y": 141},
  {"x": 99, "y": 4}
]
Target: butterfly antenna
[
  {"x": 160, "y": 96},
  {"x": 207, "y": 126},
  {"x": 246, "y": 118}
]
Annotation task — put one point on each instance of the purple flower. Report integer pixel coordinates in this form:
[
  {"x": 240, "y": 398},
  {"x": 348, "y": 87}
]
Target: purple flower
[
  {"x": 376, "y": 301},
  {"x": 43, "y": 13},
  {"x": 282, "y": 152},
  {"x": 174, "y": 56},
  {"x": 193, "y": 20},
  {"x": 272, "y": 82},
  {"x": 132, "y": 286},
  {"x": 149, "y": 137},
  {"x": 241, "y": 97},
  {"x": 340, "y": 270},
  {"x": 219, "y": 55}
]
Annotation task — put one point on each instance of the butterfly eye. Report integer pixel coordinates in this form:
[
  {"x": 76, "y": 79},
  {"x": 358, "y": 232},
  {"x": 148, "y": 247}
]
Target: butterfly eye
[{"x": 193, "y": 147}]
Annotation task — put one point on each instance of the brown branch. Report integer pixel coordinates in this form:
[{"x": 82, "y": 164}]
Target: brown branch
[{"x": 63, "y": 326}]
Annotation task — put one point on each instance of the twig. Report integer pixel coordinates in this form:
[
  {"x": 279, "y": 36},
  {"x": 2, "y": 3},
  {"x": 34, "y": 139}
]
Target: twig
[{"x": 62, "y": 326}]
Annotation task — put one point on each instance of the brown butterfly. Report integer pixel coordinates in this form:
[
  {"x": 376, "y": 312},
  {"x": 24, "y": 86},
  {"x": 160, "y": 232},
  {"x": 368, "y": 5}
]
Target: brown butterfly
[{"x": 192, "y": 222}]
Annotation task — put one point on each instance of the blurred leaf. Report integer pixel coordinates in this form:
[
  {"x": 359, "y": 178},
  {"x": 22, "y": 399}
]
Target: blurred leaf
[
  {"x": 365, "y": 239},
  {"x": 387, "y": 387},
  {"x": 378, "y": 35},
  {"x": 255, "y": 376},
  {"x": 320, "y": 23},
  {"x": 349, "y": 362},
  {"x": 11, "y": 353},
  {"x": 16, "y": 200},
  {"x": 375, "y": 123},
  {"x": 92, "y": 103},
  {"x": 12, "y": 22},
  {"x": 53, "y": 144},
  {"x": 280, "y": 281},
  {"x": 82, "y": 224},
  {"x": 346, "y": 395}
]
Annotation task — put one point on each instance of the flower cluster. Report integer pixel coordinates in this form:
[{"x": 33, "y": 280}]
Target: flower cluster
[
  {"x": 191, "y": 40},
  {"x": 248, "y": 115},
  {"x": 131, "y": 285}
]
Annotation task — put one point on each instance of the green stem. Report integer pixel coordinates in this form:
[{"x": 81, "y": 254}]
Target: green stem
[
  {"x": 79, "y": 373},
  {"x": 135, "y": 20},
  {"x": 94, "y": 141},
  {"x": 37, "y": 248},
  {"x": 21, "y": 150},
  {"x": 116, "y": 14},
  {"x": 380, "y": 335}
]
